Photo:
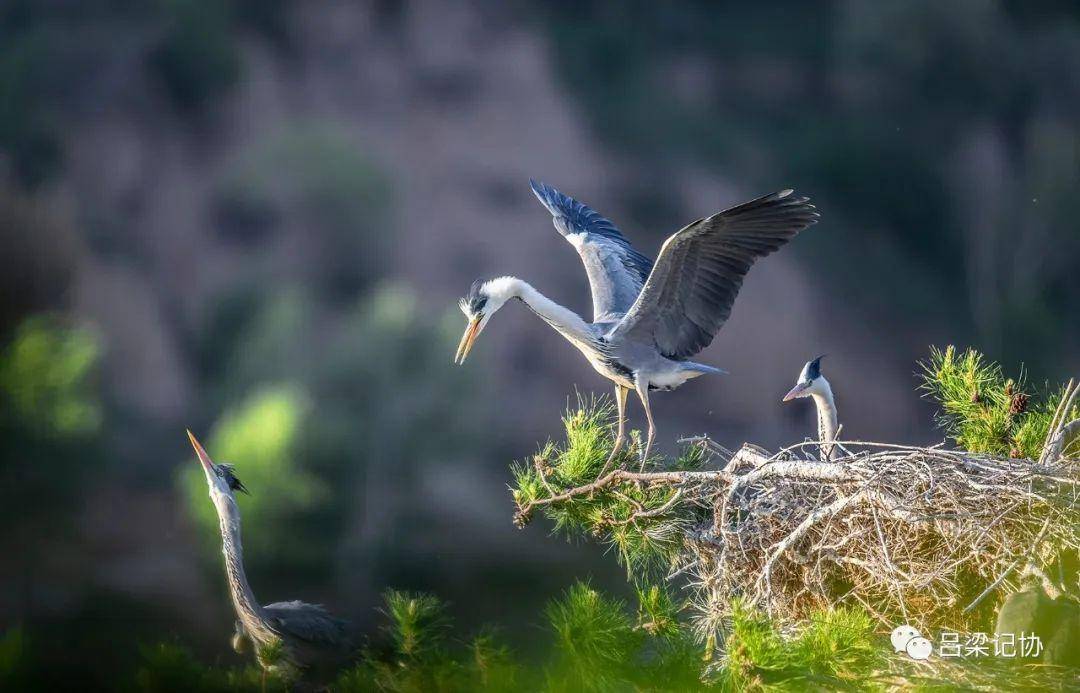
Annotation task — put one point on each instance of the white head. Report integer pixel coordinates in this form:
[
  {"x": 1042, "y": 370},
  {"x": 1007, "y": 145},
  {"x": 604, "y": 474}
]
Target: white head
[
  {"x": 483, "y": 299},
  {"x": 219, "y": 477},
  {"x": 810, "y": 381}
]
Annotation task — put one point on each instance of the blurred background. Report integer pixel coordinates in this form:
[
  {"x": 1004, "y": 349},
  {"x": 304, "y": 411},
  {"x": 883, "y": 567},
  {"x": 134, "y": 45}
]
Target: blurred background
[{"x": 254, "y": 219}]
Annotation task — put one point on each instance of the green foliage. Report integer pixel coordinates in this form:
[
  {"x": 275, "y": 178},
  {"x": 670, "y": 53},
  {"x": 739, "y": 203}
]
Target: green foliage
[
  {"x": 588, "y": 441},
  {"x": 259, "y": 436},
  {"x": 271, "y": 653},
  {"x": 492, "y": 663},
  {"x": 46, "y": 378},
  {"x": 13, "y": 658},
  {"x": 594, "y": 637},
  {"x": 657, "y": 611},
  {"x": 417, "y": 623},
  {"x": 985, "y": 412},
  {"x": 839, "y": 643},
  {"x": 596, "y": 645},
  {"x": 417, "y": 659},
  {"x": 171, "y": 668},
  {"x": 618, "y": 513},
  {"x": 364, "y": 408},
  {"x": 836, "y": 648},
  {"x": 51, "y": 416}
]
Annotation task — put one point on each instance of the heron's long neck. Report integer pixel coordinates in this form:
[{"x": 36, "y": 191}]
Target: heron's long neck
[
  {"x": 247, "y": 608},
  {"x": 566, "y": 321},
  {"x": 827, "y": 419}
]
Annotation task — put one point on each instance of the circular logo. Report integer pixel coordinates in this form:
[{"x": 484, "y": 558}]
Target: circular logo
[
  {"x": 919, "y": 648},
  {"x": 901, "y": 635}
]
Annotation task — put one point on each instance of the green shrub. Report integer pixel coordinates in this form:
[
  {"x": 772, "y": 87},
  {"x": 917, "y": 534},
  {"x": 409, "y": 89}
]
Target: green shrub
[
  {"x": 417, "y": 622},
  {"x": 595, "y": 639},
  {"x": 617, "y": 512},
  {"x": 986, "y": 412},
  {"x": 171, "y": 668}
]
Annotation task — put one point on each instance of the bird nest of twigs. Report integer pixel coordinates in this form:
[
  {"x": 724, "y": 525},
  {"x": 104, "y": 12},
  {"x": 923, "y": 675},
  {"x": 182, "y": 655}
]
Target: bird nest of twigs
[
  {"x": 924, "y": 535},
  {"x": 918, "y": 534}
]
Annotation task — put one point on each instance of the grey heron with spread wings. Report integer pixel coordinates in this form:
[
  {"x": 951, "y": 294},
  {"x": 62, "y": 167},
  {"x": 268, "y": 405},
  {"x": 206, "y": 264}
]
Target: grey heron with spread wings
[
  {"x": 648, "y": 318},
  {"x": 312, "y": 642}
]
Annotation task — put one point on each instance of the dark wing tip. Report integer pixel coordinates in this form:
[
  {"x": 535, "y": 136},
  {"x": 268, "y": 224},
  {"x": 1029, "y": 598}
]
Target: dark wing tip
[{"x": 547, "y": 195}]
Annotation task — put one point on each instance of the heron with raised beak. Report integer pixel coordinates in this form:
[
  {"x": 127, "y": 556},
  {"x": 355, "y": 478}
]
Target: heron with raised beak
[
  {"x": 648, "y": 318},
  {"x": 309, "y": 640}
]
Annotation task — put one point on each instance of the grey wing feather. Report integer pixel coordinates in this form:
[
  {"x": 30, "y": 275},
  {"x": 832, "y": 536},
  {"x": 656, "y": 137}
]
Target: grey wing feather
[
  {"x": 700, "y": 270},
  {"x": 309, "y": 622},
  {"x": 616, "y": 271}
]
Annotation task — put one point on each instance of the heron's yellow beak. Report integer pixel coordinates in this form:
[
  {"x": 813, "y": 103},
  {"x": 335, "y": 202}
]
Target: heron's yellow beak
[
  {"x": 203, "y": 457},
  {"x": 467, "y": 339},
  {"x": 794, "y": 392}
]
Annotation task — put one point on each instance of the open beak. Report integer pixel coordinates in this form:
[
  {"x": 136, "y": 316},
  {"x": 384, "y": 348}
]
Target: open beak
[
  {"x": 203, "y": 457},
  {"x": 794, "y": 392},
  {"x": 467, "y": 340}
]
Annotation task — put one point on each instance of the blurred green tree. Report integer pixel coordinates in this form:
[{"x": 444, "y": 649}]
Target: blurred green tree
[
  {"x": 365, "y": 412},
  {"x": 46, "y": 378}
]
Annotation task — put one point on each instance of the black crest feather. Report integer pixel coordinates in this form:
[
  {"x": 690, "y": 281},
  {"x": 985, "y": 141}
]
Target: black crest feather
[
  {"x": 475, "y": 300},
  {"x": 226, "y": 472},
  {"x": 813, "y": 368}
]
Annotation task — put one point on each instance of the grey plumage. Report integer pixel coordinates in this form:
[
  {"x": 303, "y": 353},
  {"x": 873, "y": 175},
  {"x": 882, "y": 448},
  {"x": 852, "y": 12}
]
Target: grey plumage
[
  {"x": 616, "y": 271},
  {"x": 690, "y": 292},
  {"x": 309, "y": 622},
  {"x": 648, "y": 319},
  {"x": 313, "y": 642}
]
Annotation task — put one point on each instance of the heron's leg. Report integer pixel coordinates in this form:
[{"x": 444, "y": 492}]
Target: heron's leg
[
  {"x": 621, "y": 393},
  {"x": 642, "y": 387}
]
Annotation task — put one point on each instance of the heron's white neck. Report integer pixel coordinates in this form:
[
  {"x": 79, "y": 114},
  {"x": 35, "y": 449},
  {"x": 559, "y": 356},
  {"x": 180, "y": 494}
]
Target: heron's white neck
[
  {"x": 567, "y": 322},
  {"x": 247, "y": 608},
  {"x": 827, "y": 418}
]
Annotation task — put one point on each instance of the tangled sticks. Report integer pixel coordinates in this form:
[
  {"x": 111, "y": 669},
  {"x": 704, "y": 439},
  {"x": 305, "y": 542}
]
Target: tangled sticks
[{"x": 922, "y": 534}]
